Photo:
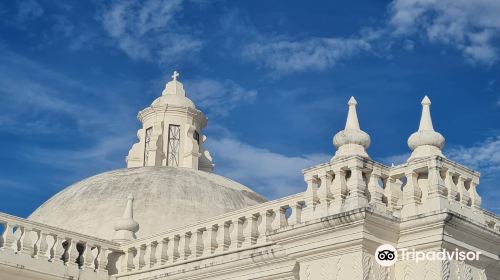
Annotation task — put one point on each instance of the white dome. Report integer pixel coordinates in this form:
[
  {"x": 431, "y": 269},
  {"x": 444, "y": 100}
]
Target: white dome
[{"x": 164, "y": 198}]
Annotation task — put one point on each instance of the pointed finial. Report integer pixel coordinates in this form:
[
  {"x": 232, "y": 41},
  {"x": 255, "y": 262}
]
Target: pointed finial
[
  {"x": 352, "y": 140},
  {"x": 425, "y": 119},
  {"x": 352, "y": 101},
  {"x": 175, "y": 75},
  {"x": 425, "y": 142},
  {"x": 125, "y": 227},
  {"x": 426, "y": 101},
  {"x": 352, "y": 117}
]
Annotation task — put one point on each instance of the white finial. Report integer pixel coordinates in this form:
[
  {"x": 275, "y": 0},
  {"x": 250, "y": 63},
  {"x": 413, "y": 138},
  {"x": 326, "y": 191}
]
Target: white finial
[
  {"x": 175, "y": 75},
  {"x": 352, "y": 140},
  {"x": 425, "y": 119},
  {"x": 125, "y": 227},
  {"x": 352, "y": 117},
  {"x": 425, "y": 142}
]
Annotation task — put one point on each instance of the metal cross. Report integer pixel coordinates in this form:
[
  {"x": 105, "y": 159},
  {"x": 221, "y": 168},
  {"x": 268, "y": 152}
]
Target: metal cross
[{"x": 175, "y": 75}]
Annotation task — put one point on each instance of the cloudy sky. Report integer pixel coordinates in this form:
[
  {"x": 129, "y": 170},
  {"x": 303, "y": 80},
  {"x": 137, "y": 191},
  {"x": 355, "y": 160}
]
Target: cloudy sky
[{"x": 273, "y": 77}]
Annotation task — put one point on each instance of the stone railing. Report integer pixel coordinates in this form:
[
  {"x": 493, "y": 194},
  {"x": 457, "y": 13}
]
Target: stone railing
[
  {"x": 58, "y": 246},
  {"x": 351, "y": 183},
  {"x": 437, "y": 183},
  {"x": 239, "y": 230},
  {"x": 413, "y": 188}
]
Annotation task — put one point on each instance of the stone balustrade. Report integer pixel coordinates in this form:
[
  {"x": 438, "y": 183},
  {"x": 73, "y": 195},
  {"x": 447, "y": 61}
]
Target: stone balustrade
[
  {"x": 350, "y": 183},
  {"x": 58, "y": 246},
  {"x": 236, "y": 231},
  {"x": 419, "y": 186}
]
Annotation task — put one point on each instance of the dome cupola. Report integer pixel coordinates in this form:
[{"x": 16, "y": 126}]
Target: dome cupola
[{"x": 171, "y": 133}]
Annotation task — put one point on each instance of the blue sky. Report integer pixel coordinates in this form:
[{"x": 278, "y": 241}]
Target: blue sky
[{"x": 273, "y": 77}]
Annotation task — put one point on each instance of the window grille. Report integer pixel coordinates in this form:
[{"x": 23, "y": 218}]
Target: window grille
[
  {"x": 147, "y": 142},
  {"x": 174, "y": 140}
]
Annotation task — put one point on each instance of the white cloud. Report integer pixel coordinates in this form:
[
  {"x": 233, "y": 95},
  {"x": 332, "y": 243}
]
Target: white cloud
[
  {"x": 483, "y": 156},
  {"x": 285, "y": 56},
  {"x": 148, "y": 29},
  {"x": 218, "y": 97},
  {"x": 470, "y": 26},
  {"x": 269, "y": 173}
]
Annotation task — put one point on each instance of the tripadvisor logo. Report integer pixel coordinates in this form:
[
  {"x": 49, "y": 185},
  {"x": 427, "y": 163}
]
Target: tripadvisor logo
[{"x": 386, "y": 255}]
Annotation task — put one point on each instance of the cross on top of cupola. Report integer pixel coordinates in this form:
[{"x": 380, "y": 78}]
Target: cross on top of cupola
[{"x": 175, "y": 75}]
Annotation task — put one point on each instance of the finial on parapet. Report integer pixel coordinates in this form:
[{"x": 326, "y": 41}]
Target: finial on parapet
[
  {"x": 426, "y": 142},
  {"x": 352, "y": 140},
  {"x": 125, "y": 226}
]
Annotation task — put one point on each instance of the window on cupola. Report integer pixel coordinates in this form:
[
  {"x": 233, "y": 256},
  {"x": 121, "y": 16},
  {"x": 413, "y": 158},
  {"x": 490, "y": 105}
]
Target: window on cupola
[
  {"x": 174, "y": 139},
  {"x": 147, "y": 142}
]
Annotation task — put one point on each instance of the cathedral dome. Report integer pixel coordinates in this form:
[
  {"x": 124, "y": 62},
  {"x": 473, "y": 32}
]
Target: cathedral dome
[{"x": 164, "y": 198}]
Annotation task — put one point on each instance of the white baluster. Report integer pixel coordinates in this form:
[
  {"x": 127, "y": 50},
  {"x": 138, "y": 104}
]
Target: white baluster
[
  {"x": 89, "y": 257},
  {"x": 411, "y": 194},
  {"x": 339, "y": 190},
  {"x": 325, "y": 194},
  {"x": 102, "y": 264},
  {"x": 152, "y": 257},
  {"x": 166, "y": 243},
  {"x": 8, "y": 237},
  {"x": 279, "y": 218},
  {"x": 27, "y": 245},
  {"x": 356, "y": 186},
  {"x": 265, "y": 220},
  {"x": 200, "y": 247},
  {"x": 42, "y": 246}
]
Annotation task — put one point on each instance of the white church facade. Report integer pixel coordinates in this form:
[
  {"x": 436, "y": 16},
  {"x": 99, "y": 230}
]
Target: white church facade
[{"x": 168, "y": 216}]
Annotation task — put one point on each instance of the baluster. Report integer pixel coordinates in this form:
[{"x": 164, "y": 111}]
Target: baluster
[
  {"x": 175, "y": 248},
  {"x": 164, "y": 253},
  {"x": 8, "y": 238},
  {"x": 88, "y": 257},
  {"x": 356, "y": 186},
  {"x": 452, "y": 188},
  {"x": 102, "y": 259},
  {"x": 222, "y": 237},
  {"x": 464, "y": 194},
  {"x": 310, "y": 196},
  {"x": 339, "y": 190},
  {"x": 129, "y": 259},
  {"x": 27, "y": 244},
  {"x": 325, "y": 194},
  {"x": 140, "y": 261},
  {"x": 187, "y": 253},
  {"x": 393, "y": 193},
  {"x": 411, "y": 194},
  {"x": 152, "y": 259},
  {"x": 250, "y": 230},
  {"x": 279, "y": 218},
  {"x": 42, "y": 246},
  {"x": 201, "y": 233},
  {"x": 376, "y": 192},
  {"x": 234, "y": 234},
  {"x": 58, "y": 252},
  {"x": 73, "y": 254},
  {"x": 437, "y": 195},
  {"x": 475, "y": 198},
  {"x": 296, "y": 215},
  {"x": 210, "y": 241},
  {"x": 265, "y": 220}
]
